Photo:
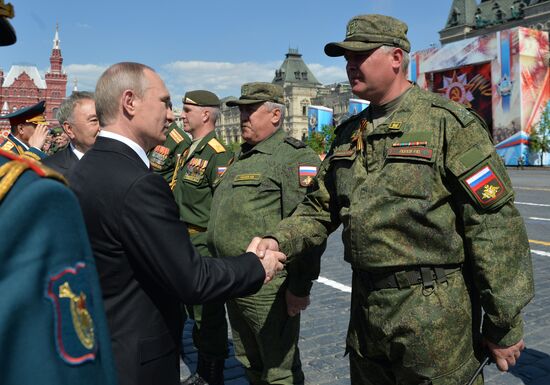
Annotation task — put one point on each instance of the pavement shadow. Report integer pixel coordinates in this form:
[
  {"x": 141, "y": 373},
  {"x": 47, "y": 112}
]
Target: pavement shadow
[{"x": 533, "y": 367}]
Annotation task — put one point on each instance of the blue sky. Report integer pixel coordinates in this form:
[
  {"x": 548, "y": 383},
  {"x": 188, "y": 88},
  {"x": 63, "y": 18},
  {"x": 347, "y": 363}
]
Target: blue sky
[{"x": 210, "y": 44}]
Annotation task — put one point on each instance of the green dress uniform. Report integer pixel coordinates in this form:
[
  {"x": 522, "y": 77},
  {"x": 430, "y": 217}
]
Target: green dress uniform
[
  {"x": 163, "y": 157},
  {"x": 264, "y": 185},
  {"x": 432, "y": 235},
  {"x": 52, "y": 322},
  {"x": 195, "y": 178}
]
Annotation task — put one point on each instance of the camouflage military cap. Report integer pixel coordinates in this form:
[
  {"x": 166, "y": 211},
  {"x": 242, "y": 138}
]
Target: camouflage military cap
[
  {"x": 201, "y": 98},
  {"x": 252, "y": 93},
  {"x": 7, "y": 34},
  {"x": 367, "y": 32}
]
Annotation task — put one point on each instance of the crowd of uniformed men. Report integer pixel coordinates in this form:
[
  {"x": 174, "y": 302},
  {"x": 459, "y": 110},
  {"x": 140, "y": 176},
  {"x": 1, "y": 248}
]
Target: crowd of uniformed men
[{"x": 163, "y": 223}]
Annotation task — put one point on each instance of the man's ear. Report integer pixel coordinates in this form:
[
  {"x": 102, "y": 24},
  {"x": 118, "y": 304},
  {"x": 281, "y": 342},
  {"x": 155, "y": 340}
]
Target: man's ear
[
  {"x": 129, "y": 102},
  {"x": 68, "y": 130},
  {"x": 397, "y": 58},
  {"x": 275, "y": 119},
  {"x": 205, "y": 115}
]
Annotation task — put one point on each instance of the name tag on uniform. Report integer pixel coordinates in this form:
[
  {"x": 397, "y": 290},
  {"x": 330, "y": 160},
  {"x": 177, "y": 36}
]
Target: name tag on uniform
[
  {"x": 411, "y": 152},
  {"x": 247, "y": 177}
]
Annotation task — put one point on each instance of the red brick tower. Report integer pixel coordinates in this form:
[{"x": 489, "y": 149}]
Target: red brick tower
[
  {"x": 56, "y": 80},
  {"x": 23, "y": 86}
]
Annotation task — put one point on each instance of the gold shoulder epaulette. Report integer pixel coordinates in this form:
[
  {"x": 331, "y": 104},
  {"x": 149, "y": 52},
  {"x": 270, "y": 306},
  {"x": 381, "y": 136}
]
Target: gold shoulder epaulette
[
  {"x": 12, "y": 170},
  {"x": 7, "y": 145},
  {"x": 216, "y": 145},
  {"x": 174, "y": 134}
]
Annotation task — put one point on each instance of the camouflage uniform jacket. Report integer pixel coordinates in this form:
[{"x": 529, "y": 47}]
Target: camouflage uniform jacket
[
  {"x": 426, "y": 189},
  {"x": 163, "y": 157},
  {"x": 263, "y": 186},
  {"x": 196, "y": 177}
]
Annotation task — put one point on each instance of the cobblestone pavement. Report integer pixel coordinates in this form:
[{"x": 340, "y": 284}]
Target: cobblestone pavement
[{"x": 325, "y": 322}]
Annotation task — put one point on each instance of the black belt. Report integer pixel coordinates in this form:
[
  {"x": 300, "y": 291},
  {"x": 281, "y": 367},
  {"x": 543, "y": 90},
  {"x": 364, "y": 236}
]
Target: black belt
[{"x": 402, "y": 279}]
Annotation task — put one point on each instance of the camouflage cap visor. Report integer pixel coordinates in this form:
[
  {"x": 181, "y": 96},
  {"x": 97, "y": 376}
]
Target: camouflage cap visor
[
  {"x": 339, "y": 49},
  {"x": 244, "y": 101}
]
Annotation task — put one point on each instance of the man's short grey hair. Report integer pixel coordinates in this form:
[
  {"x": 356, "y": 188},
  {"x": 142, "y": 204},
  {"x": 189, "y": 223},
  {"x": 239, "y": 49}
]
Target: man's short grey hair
[
  {"x": 65, "y": 111},
  {"x": 112, "y": 83},
  {"x": 406, "y": 58},
  {"x": 214, "y": 113},
  {"x": 271, "y": 106}
]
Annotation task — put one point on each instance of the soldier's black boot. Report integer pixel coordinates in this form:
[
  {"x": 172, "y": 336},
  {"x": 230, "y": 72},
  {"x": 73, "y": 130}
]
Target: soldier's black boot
[{"x": 209, "y": 372}]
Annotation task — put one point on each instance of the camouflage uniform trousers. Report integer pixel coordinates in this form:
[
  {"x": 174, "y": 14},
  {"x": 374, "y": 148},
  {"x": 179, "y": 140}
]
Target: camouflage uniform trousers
[
  {"x": 260, "y": 323},
  {"x": 414, "y": 335},
  {"x": 210, "y": 329}
]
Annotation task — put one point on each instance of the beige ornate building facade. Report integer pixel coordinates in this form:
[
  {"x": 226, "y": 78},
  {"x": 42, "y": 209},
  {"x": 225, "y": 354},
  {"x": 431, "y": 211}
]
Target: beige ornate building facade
[{"x": 300, "y": 87}]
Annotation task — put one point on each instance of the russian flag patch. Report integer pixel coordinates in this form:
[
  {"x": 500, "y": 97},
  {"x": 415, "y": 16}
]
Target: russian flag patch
[
  {"x": 306, "y": 175},
  {"x": 485, "y": 185}
]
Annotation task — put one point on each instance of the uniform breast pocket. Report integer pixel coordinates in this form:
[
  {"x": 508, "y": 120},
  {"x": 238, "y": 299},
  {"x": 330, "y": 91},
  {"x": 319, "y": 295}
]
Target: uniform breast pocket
[
  {"x": 343, "y": 169},
  {"x": 408, "y": 176}
]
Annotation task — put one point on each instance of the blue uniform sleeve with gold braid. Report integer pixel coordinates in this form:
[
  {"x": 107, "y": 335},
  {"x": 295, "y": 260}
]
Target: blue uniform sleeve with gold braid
[{"x": 52, "y": 317}]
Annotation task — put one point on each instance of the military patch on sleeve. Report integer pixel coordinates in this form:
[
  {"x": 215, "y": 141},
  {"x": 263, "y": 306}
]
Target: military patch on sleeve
[
  {"x": 306, "y": 175},
  {"x": 158, "y": 157},
  {"x": 176, "y": 136},
  {"x": 71, "y": 296},
  {"x": 221, "y": 170},
  {"x": 485, "y": 186}
]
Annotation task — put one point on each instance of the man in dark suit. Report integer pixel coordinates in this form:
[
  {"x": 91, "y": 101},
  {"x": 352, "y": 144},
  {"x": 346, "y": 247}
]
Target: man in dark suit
[
  {"x": 146, "y": 262},
  {"x": 79, "y": 120}
]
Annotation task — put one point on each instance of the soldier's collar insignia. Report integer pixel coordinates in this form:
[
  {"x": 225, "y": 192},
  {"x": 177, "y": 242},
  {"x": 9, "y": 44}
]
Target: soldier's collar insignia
[
  {"x": 72, "y": 301},
  {"x": 395, "y": 125}
]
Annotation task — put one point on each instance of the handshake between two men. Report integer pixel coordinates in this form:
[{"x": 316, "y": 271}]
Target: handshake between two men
[{"x": 267, "y": 249}]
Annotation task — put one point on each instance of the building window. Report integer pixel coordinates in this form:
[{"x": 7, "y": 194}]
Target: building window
[
  {"x": 297, "y": 75},
  {"x": 304, "y": 110},
  {"x": 304, "y": 75}
]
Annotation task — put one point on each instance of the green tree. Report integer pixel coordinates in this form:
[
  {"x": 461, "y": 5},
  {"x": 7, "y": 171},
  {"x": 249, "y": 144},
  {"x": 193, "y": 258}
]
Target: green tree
[
  {"x": 320, "y": 141},
  {"x": 539, "y": 140}
]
